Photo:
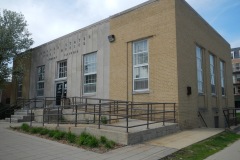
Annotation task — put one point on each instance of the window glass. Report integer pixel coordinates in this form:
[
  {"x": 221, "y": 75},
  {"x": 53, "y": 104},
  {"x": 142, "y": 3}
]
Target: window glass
[
  {"x": 140, "y": 65},
  {"x": 90, "y": 73}
]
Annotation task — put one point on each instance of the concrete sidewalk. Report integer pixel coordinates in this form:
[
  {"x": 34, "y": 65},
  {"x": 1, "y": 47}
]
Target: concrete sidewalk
[
  {"x": 16, "y": 146},
  {"x": 231, "y": 152}
]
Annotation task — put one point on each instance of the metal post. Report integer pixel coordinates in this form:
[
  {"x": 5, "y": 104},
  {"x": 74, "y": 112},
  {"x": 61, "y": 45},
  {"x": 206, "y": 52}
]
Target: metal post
[
  {"x": 48, "y": 114},
  {"x": 174, "y": 112},
  {"x": 164, "y": 114},
  {"x": 35, "y": 103},
  {"x": 86, "y": 105},
  {"x": 110, "y": 112},
  {"x": 75, "y": 115},
  {"x": 131, "y": 108},
  {"x": 43, "y": 116},
  {"x": 127, "y": 115},
  {"x": 58, "y": 117},
  {"x": 151, "y": 113},
  {"x": 99, "y": 114},
  {"x": 94, "y": 116},
  {"x": 31, "y": 118},
  {"x": 117, "y": 110},
  {"x": 148, "y": 116}
]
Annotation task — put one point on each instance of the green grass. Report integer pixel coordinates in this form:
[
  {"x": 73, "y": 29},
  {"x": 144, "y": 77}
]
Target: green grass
[
  {"x": 85, "y": 139},
  {"x": 204, "y": 149}
]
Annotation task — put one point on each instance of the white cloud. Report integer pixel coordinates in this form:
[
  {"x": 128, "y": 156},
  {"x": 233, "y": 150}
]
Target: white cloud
[{"x": 50, "y": 19}]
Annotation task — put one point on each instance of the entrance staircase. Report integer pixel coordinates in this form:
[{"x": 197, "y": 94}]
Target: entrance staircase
[{"x": 20, "y": 116}]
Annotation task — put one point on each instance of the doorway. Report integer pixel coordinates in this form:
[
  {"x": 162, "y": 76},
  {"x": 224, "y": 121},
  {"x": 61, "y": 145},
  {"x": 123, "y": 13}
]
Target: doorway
[{"x": 61, "y": 91}]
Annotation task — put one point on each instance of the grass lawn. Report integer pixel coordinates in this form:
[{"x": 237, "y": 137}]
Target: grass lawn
[{"x": 204, "y": 149}]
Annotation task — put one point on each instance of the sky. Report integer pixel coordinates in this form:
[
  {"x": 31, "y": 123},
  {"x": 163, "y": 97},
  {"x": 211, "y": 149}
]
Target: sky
[{"x": 50, "y": 19}]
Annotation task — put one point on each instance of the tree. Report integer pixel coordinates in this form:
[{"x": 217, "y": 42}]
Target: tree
[{"x": 14, "y": 40}]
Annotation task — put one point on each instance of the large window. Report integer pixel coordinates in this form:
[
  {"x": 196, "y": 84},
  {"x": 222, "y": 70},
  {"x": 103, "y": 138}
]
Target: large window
[
  {"x": 212, "y": 74},
  {"x": 40, "y": 80},
  {"x": 19, "y": 90},
  {"x": 235, "y": 54},
  {"x": 62, "y": 69},
  {"x": 90, "y": 73},
  {"x": 140, "y": 65},
  {"x": 199, "y": 69},
  {"x": 222, "y": 65}
]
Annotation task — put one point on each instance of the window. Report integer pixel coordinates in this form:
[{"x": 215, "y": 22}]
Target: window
[
  {"x": 19, "y": 90},
  {"x": 236, "y": 67},
  {"x": 40, "y": 80},
  {"x": 62, "y": 69},
  {"x": 222, "y": 77},
  {"x": 235, "y": 54},
  {"x": 90, "y": 73},
  {"x": 140, "y": 65},
  {"x": 212, "y": 74},
  {"x": 199, "y": 69}
]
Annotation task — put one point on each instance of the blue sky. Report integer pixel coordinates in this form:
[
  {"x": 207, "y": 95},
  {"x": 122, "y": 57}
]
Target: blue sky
[{"x": 50, "y": 19}]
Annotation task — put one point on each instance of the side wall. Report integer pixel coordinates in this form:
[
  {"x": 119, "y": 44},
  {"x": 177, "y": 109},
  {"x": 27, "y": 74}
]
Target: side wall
[
  {"x": 192, "y": 30},
  {"x": 154, "y": 21},
  {"x": 25, "y": 63},
  {"x": 71, "y": 48}
]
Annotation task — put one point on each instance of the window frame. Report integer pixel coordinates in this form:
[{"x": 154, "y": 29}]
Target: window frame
[
  {"x": 212, "y": 73},
  {"x": 200, "y": 70},
  {"x": 222, "y": 78},
  {"x": 40, "y": 80},
  {"x": 134, "y": 66},
  {"x": 62, "y": 73},
  {"x": 91, "y": 73}
]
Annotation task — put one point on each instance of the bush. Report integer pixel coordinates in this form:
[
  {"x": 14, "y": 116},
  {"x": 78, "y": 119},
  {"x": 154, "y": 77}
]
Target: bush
[
  {"x": 109, "y": 144},
  {"x": 87, "y": 140},
  {"x": 71, "y": 138},
  {"x": 59, "y": 135},
  {"x": 25, "y": 127},
  {"x": 51, "y": 133},
  {"x": 35, "y": 130},
  {"x": 104, "y": 119},
  {"x": 44, "y": 131},
  {"x": 103, "y": 139}
]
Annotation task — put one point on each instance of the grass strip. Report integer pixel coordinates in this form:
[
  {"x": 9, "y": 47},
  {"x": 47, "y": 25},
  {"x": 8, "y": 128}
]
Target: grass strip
[{"x": 204, "y": 149}]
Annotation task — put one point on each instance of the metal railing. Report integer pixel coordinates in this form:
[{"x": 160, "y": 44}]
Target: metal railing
[
  {"x": 231, "y": 116},
  {"x": 103, "y": 112}
]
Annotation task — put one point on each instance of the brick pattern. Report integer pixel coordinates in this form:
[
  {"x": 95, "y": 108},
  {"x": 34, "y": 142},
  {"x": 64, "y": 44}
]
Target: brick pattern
[{"x": 173, "y": 30}]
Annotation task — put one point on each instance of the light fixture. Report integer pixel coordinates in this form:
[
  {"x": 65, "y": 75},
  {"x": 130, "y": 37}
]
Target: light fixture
[{"x": 111, "y": 38}]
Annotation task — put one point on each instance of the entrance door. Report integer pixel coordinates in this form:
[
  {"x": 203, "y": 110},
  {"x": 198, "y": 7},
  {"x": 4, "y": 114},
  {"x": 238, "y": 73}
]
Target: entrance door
[{"x": 61, "y": 91}]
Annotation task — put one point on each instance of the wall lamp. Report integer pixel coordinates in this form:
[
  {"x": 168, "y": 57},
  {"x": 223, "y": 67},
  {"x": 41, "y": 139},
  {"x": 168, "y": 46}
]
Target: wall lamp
[{"x": 111, "y": 38}]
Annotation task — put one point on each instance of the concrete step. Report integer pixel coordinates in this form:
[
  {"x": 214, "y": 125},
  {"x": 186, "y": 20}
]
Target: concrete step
[
  {"x": 22, "y": 112},
  {"x": 15, "y": 120},
  {"x": 22, "y": 117}
]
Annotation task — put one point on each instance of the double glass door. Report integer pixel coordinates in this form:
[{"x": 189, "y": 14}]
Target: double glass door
[{"x": 61, "y": 91}]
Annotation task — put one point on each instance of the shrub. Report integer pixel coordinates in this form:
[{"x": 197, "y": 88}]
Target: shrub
[
  {"x": 51, "y": 133},
  {"x": 25, "y": 127},
  {"x": 44, "y": 131},
  {"x": 104, "y": 119},
  {"x": 35, "y": 130},
  {"x": 87, "y": 140},
  {"x": 59, "y": 135},
  {"x": 103, "y": 139},
  {"x": 110, "y": 144},
  {"x": 71, "y": 138}
]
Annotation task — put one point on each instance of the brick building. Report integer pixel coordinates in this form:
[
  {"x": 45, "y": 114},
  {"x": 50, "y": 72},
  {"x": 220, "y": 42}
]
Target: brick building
[
  {"x": 235, "y": 53},
  {"x": 158, "y": 51}
]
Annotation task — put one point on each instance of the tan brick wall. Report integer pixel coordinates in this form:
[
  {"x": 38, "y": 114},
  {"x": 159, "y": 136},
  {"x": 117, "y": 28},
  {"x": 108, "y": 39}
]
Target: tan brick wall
[
  {"x": 157, "y": 22},
  {"x": 26, "y": 79},
  {"x": 174, "y": 29},
  {"x": 192, "y": 30}
]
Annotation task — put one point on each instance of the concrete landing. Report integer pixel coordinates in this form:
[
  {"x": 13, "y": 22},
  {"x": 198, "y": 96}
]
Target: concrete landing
[{"x": 185, "y": 138}]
